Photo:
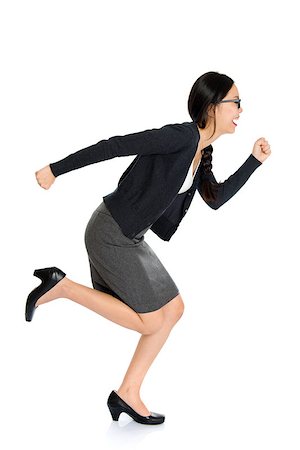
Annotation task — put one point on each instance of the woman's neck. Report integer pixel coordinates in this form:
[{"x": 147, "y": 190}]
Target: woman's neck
[{"x": 206, "y": 137}]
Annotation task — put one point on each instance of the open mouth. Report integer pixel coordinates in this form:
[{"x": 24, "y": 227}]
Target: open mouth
[{"x": 235, "y": 121}]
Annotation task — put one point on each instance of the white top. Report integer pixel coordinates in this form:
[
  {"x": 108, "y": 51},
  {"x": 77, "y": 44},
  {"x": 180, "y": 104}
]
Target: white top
[{"x": 189, "y": 178}]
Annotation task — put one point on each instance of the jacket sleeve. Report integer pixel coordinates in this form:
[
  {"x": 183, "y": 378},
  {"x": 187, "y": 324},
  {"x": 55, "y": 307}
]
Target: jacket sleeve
[
  {"x": 168, "y": 139},
  {"x": 230, "y": 187}
]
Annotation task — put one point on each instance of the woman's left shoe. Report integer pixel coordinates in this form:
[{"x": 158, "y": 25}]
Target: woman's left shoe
[
  {"x": 50, "y": 277},
  {"x": 116, "y": 406}
]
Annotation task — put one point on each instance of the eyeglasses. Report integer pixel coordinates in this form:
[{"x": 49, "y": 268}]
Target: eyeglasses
[{"x": 237, "y": 101}]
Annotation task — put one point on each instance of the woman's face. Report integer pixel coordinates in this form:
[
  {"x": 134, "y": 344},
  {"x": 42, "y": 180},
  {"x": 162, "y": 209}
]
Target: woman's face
[{"x": 228, "y": 113}]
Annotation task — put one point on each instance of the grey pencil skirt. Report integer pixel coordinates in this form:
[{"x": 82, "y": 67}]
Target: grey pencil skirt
[{"x": 126, "y": 268}]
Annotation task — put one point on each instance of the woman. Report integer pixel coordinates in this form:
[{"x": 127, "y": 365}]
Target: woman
[{"x": 131, "y": 286}]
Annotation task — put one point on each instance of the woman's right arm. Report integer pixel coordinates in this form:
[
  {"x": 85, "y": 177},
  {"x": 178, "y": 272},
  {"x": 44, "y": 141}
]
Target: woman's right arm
[{"x": 167, "y": 139}]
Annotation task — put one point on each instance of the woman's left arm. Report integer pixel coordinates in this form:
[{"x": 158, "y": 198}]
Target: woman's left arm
[{"x": 227, "y": 189}]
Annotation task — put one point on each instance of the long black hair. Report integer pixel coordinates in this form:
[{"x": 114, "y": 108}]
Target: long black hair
[{"x": 207, "y": 91}]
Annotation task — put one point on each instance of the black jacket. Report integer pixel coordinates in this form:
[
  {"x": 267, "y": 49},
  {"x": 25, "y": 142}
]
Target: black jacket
[{"x": 147, "y": 192}]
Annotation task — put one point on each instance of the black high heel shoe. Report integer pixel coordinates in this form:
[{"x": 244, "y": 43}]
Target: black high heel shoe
[
  {"x": 50, "y": 277},
  {"x": 116, "y": 406}
]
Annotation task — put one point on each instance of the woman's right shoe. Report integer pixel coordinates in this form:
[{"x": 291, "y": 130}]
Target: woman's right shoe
[
  {"x": 50, "y": 276},
  {"x": 116, "y": 406}
]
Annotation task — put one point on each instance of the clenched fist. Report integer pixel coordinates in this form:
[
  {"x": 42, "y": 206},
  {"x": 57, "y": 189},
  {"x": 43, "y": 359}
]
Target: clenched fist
[
  {"x": 45, "y": 177},
  {"x": 261, "y": 149}
]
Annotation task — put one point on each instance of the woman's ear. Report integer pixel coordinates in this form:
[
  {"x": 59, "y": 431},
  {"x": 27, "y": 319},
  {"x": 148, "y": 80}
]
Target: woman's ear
[{"x": 211, "y": 110}]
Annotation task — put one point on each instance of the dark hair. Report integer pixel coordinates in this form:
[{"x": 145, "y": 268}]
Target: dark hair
[{"x": 207, "y": 91}]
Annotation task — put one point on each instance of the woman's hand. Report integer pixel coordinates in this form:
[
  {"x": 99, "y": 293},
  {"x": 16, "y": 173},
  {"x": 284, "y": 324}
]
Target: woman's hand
[
  {"x": 45, "y": 177},
  {"x": 261, "y": 149}
]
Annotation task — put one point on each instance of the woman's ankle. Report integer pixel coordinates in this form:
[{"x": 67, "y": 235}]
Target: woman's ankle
[
  {"x": 129, "y": 389},
  {"x": 67, "y": 287}
]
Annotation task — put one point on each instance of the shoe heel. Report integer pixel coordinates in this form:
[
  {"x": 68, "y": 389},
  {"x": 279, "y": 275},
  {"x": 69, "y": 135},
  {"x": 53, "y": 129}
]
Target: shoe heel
[
  {"x": 115, "y": 412},
  {"x": 42, "y": 274},
  {"x": 49, "y": 272}
]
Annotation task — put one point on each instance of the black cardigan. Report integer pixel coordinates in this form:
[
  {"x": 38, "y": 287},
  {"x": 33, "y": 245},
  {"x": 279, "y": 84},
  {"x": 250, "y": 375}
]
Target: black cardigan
[{"x": 147, "y": 192}]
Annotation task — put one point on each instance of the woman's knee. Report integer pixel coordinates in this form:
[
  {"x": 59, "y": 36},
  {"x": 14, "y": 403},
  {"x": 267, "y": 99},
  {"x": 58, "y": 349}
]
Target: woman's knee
[
  {"x": 174, "y": 310},
  {"x": 168, "y": 315}
]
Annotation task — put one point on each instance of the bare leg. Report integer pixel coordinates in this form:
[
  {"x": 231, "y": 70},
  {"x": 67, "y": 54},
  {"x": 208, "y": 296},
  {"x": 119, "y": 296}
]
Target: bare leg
[
  {"x": 147, "y": 349},
  {"x": 155, "y": 328},
  {"x": 104, "y": 304}
]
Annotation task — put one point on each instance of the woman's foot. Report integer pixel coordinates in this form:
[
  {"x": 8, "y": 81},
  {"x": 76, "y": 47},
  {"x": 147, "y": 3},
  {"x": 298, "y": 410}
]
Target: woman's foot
[
  {"x": 46, "y": 291},
  {"x": 117, "y": 406},
  {"x": 132, "y": 398}
]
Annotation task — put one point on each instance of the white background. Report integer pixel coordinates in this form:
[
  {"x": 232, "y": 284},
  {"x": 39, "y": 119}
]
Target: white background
[{"x": 76, "y": 72}]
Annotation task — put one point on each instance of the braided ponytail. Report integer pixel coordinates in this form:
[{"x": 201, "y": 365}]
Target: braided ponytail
[
  {"x": 207, "y": 159},
  {"x": 208, "y": 187}
]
